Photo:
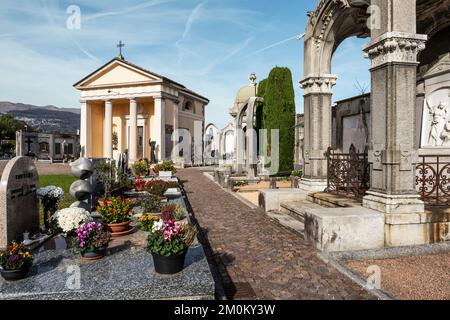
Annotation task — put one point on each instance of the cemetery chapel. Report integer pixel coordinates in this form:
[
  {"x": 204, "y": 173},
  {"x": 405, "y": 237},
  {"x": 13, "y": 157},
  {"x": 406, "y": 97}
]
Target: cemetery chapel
[{"x": 125, "y": 107}]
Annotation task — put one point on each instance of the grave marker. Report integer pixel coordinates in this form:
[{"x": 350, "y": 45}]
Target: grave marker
[{"x": 19, "y": 204}]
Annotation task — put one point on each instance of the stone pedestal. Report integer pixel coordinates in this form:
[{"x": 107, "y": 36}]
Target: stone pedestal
[
  {"x": 394, "y": 204},
  {"x": 344, "y": 229},
  {"x": 313, "y": 185}
]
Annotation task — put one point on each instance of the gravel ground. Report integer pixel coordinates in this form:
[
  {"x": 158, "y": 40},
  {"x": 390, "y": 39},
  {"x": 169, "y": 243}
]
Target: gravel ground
[{"x": 412, "y": 278}]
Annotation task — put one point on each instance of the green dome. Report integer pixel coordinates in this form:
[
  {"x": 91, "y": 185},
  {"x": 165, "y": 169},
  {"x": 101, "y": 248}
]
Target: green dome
[{"x": 242, "y": 96}]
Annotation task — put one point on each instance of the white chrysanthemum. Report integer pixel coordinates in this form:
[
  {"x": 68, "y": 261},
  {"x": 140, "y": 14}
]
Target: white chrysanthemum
[
  {"x": 158, "y": 226},
  {"x": 50, "y": 192},
  {"x": 70, "y": 219}
]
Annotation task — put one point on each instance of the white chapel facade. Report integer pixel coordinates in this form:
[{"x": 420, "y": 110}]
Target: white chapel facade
[{"x": 124, "y": 107}]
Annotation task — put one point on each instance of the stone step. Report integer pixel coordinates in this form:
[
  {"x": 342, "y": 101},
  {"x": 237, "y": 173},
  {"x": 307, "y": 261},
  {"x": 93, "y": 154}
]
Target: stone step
[
  {"x": 297, "y": 209},
  {"x": 330, "y": 200}
]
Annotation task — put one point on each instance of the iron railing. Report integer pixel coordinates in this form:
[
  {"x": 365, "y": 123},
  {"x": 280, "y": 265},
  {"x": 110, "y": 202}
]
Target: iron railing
[
  {"x": 348, "y": 173},
  {"x": 433, "y": 179}
]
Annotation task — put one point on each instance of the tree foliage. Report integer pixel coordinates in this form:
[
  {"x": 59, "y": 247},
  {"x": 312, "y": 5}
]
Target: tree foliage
[
  {"x": 279, "y": 113},
  {"x": 259, "y": 108},
  {"x": 8, "y": 127}
]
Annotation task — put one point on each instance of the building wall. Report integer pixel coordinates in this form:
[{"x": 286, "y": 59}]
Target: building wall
[{"x": 97, "y": 117}]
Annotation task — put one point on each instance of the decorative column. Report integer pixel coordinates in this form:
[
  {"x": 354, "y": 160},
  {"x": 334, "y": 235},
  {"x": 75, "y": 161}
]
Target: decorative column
[
  {"x": 318, "y": 91},
  {"x": 133, "y": 131},
  {"x": 159, "y": 127},
  {"x": 107, "y": 130},
  {"x": 176, "y": 134},
  {"x": 393, "y": 151},
  {"x": 85, "y": 129}
]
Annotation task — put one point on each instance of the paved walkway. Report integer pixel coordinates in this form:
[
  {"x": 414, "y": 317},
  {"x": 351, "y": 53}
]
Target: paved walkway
[{"x": 258, "y": 258}]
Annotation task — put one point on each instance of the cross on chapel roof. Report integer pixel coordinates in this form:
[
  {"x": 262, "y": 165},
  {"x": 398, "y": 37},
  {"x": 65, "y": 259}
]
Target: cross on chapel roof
[{"x": 120, "y": 46}]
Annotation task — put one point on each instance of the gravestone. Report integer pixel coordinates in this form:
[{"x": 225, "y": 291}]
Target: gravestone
[{"x": 19, "y": 204}]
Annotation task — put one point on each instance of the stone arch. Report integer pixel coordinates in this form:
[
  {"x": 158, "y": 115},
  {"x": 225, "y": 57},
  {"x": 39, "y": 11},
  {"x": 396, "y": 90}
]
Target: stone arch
[
  {"x": 246, "y": 157},
  {"x": 328, "y": 26},
  {"x": 211, "y": 141},
  {"x": 331, "y": 23}
]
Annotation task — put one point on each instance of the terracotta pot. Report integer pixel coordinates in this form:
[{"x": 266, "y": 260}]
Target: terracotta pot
[
  {"x": 97, "y": 254},
  {"x": 14, "y": 275},
  {"x": 168, "y": 265},
  {"x": 119, "y": 228}
]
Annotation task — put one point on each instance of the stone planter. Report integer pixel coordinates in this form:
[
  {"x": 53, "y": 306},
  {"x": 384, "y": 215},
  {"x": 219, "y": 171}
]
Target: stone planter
[
  {"x": 295, "y": 182},
  {"x": 15, "y": 275},
  {"x": 119, "y": 229},
  {"x": 169, "y": 265}
]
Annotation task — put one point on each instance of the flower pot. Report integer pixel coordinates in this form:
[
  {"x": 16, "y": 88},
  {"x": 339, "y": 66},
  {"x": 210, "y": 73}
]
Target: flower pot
[
  {"x": 168, "y": 265},
  {"x": 97, "y": 254},
  {"x": 14, "y": 275},
  {"x": 119, "y": 229}
]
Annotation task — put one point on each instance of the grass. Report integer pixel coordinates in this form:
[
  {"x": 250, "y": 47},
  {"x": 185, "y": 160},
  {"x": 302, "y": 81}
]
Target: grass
[{"x": 63, "y": 182}]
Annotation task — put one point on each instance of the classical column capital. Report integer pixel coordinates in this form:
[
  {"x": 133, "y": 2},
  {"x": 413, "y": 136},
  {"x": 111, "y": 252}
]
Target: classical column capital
[
  {"x": 318, "y": 84},
  {"x": 133, "y": 99},
  {"x": 395, "y": 47}
]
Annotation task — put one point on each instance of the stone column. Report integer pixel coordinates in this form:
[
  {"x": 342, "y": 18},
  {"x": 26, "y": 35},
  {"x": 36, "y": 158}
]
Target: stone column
[
  {"x": 175, "y": 135},
  {"x": 159, "y": 127},
  {"x": 107, "y": 130},
  {"x": 85, "y": 129},
  {"x": 318, "y": 91},
  {"x": 133, "y": 131},
  {"x": 393, "y": 151}
]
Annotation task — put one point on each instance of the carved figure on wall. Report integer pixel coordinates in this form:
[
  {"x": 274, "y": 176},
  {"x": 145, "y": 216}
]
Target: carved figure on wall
[{"x": 440, "y": 125}]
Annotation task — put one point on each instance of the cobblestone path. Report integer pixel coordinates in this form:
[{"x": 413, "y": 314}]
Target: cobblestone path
[{"x": 257, "y": 258}]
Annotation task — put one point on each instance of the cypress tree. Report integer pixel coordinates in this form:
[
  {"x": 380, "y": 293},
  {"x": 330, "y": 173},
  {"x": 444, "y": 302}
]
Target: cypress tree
[
  {"x": 279, "y": 113},
  {"x": 259, "y": 108}
]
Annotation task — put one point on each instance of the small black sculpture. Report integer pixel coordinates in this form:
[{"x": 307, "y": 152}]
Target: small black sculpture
[{"x": 152, "y": 152}]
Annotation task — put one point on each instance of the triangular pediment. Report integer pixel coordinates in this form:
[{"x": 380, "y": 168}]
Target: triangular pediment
[
  {"x": 118, "y": 73},
  {"x": 441, "y": 66}
]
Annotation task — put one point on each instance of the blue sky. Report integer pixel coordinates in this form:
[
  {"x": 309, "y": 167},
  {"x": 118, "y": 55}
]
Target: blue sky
[{"x": 210, "y": 46}]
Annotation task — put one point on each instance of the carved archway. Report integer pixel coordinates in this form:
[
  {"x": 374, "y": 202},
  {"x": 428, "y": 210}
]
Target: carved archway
[
  {"x": 246, "y": 157},
  {"x": 328, "y": 26},
  {"x": 331, "y": 23}
]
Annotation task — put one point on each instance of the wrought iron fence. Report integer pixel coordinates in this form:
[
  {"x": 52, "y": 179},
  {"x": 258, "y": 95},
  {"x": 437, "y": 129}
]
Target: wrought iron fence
[
  {"x": 433, "y": 179},
  {"x": 348, "y": 173}
]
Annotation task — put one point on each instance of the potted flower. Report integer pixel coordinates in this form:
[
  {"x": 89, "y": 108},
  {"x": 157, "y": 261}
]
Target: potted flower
[
  {"x": 67, "y": 221},
  {"x": 151, "y": 204},
  {"x": 146, "y": 222},
  {"x": 139, "y": 185},
  {"x": 168, "y": 242},
  {"x": 15, "y": 261},
  {"x": 92, "y": 241},
  {"x": 296, "y": 176},
  {"x": 140, "y": 168},
  {"x": 50, "y": 197},
  {"x": 116, "y": 213},
  {"x": 166, "y": 167},
  {"x": 156, "y": 187}
]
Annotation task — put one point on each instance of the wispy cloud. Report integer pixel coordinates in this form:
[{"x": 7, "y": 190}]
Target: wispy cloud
[
  {"x": 238, "y": 48},
  {"x": 126, "y": 10},
  {"x": 187, "y": 29},
  {"x": 276, "y": 44}
]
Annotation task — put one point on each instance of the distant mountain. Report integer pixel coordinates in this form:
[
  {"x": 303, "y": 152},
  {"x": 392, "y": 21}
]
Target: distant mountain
[{"x": 49, "y": 118}]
